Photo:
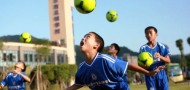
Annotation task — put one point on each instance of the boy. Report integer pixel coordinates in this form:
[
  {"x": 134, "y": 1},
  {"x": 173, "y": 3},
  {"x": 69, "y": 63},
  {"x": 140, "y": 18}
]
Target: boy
[
  {"x": 99, "y": 71},
  {"x": 16, "y": 79},
  {"x": 113, "y": 50},
  {"x": 160, "y": 53}
]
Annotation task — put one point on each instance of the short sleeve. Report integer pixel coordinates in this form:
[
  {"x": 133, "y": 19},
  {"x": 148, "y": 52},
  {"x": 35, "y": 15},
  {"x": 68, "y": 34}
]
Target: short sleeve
[
  {"x": 141, "y": 49},
  {"x": 78, "y": 76},
  {"x": 118, "y": 66},
  {"x": 77, "y": 80},
  {"x": 165, "y": 51},
  {"x": 4, "y": 82}
]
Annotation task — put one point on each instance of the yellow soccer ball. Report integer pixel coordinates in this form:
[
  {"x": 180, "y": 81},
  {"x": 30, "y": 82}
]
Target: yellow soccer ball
[
  {"x": 85, "y": 6},
  {"x": 25, "y": 37},
  {"x": 145, "y": 59},
  {"x": 111, "y": 16}
]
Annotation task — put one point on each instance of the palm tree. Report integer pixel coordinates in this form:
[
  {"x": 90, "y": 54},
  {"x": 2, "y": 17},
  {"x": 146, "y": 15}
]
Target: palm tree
[
  {"x": 188, "y": 60},
  {"x": 179, "y": 44},
  {"x": 188, "y": 40}
]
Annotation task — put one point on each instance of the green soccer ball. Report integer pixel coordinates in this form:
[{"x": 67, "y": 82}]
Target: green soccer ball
[
  {"x": 111, "y": 16},
  {"x": 25, "y": 37},
  {"x": 145, "y": 59},
  {"x": 85, "y": 6}
]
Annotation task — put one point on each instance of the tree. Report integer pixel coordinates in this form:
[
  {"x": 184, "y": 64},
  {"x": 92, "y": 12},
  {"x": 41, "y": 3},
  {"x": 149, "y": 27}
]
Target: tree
[
  {"x": 188, "y": 56},
  {"x": 42, "y": 51},
  {"x": 179, "y": 44},
  {"x": 188, "y": 40},
  {"x": 1, "y": 49}
]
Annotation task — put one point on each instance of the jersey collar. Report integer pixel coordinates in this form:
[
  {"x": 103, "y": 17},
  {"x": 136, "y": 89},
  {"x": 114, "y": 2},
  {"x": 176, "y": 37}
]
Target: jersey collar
[
  {"x": 93, "y": 60},
  {"x": 152, "y": 47}
]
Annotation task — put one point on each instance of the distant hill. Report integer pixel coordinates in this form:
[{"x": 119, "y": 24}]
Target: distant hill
[
  {"x": 13, "y": 38},
  {"x": 10, "y": 38},
  {"x": 79, "y": 55}
]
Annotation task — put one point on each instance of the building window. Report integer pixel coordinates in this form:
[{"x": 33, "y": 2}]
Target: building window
[
  {"x": 63, "y": 42},
  {"x": 36, "y": 58},
  {"x": 55, "y": 6},
  {"x": 56, "y": 12},
  {"x": 57, "y": 31},
  {"x": 25, "y": 57},
  {"x": 31, "y": 57},
  {"x": 49, "y": 59},
  {"x": 4, "y": 56},
  {"x": 56, "y": 24},
  {"x": 45, "y": 59},
  {"x": 56, "y": 18},
  {"x": 60, "y": 58},
  {"x": 10, "y": 57}
]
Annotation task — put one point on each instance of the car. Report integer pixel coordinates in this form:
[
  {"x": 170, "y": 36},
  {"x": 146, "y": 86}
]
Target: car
[{"x": 175, "y": 72}]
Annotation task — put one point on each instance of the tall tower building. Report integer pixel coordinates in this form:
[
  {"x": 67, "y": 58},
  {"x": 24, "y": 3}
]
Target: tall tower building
[{"x": 61, "y": 26}]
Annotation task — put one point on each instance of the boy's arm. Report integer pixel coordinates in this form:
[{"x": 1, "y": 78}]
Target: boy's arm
[
  {"x": 74, "y": 87},
  {"x": 134, "y": 67},
  {"x": 145, "y": 67},
  {"x": 165, "y": 59},
  {"x": 25, "y": 77},
  {"x": 137, "y": 68},
  {"x": 22, "y": 75}
]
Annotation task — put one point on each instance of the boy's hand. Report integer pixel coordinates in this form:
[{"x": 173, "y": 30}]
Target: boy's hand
[
  {"x": 16, "y": 72},
  {"x": 1, "y": 87},
  {"x": 154, "y": 72},
  {"x": 157, "y": 55}
]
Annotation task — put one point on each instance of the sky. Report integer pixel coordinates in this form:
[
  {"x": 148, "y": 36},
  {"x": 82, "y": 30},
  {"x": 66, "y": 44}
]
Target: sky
[{"x": 170, "y": 17}]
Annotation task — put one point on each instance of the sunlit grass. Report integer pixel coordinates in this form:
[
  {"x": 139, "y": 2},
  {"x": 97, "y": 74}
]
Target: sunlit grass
[{"x": 172, "y": 86}]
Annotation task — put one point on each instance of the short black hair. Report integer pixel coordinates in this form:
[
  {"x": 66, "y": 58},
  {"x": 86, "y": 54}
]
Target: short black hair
[
  {"x": 100, "y": 40},
  {"x": 24, "y": 69},
  {"x": 150, "y": 27},
  {"x": 116, "y": 47}
]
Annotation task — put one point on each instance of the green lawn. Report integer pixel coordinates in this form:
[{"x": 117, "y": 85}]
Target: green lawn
[{"x": 172, "y": 86}]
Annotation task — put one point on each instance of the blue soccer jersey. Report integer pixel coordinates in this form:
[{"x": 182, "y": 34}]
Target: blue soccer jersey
[
  {"x": 14, "y": 82},
  {"x": 125, "y": 78},
  {"x": 120, "y": 58},
  {"x": 159, "y": 81},
  {"x": 104, "y": 73}
]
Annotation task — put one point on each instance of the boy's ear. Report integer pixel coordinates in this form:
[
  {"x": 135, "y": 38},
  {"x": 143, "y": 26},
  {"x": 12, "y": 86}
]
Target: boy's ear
[{"x": 96, "y": 46}]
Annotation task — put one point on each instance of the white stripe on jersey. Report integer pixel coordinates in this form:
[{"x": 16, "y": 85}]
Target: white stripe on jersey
[
  {"x": 162, "y": 45},
  {"x": 125, "y": 69},
  {"x": 81, "y": 64},
  {"x": 142, "y": 47},
  {"x": 9, "y": 74},
  {"x": 108, "y": 58}
]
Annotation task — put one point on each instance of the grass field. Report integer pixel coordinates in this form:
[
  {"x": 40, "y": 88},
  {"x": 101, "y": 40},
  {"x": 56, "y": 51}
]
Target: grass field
[{"x": 172, "y": 86}]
